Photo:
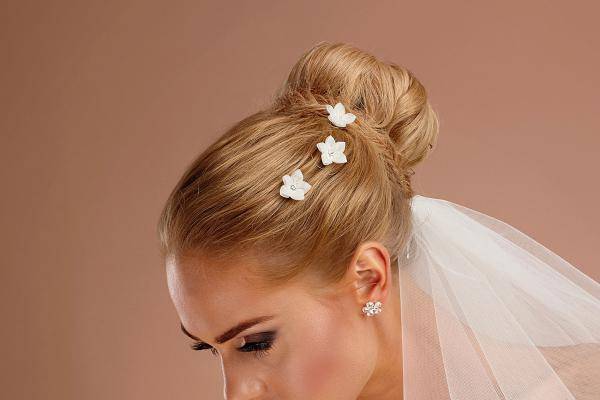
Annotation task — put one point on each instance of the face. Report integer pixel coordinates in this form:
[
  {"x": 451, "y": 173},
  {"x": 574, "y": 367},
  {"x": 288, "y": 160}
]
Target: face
[{"x": 311, "y": 346}]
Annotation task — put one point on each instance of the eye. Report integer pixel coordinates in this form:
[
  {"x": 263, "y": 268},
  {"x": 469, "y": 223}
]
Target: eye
[
  {"x": 260, "y": 348},
  {"x": 204, "y": 346}
]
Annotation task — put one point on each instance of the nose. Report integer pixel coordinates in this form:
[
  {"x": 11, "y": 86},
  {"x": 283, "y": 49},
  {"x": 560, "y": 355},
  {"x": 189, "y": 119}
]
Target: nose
[{"x": 241, "y": 383}]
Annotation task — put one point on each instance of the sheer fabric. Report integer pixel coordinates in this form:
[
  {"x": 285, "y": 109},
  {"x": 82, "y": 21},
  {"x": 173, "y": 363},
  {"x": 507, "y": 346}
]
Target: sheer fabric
[{"x": 489, "y": 313}]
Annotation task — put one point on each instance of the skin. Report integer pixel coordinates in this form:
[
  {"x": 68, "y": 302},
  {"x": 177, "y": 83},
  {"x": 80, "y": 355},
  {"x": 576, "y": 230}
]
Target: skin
[{"x": 325, "y": 347}]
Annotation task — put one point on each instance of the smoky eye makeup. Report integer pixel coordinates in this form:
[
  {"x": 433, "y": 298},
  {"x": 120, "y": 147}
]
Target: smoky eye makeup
[{"x": 258, "y": 343}]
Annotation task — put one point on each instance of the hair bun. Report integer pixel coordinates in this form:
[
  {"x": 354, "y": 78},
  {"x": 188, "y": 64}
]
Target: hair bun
[{"x": 384, "y": 95}]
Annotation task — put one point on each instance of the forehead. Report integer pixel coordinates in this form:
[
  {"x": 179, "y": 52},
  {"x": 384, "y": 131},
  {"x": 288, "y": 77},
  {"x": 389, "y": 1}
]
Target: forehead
[{"x": 211, "y": 295}]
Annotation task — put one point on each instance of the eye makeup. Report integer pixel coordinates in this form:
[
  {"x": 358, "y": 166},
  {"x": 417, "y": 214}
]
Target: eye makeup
[{"x": 259, "y": 343}]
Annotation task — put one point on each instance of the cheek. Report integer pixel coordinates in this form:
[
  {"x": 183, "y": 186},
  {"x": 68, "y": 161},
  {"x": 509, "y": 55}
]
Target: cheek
[
  {"x": 318, "y": 370},
  {"x": 331, "y": 365}
]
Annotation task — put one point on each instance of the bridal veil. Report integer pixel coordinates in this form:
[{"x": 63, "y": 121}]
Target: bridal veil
[{"x": 489, "y": 313}]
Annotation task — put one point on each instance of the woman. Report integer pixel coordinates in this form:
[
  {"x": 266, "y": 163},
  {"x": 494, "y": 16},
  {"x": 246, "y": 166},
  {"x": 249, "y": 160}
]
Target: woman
[{"x": 297, "y": 252}]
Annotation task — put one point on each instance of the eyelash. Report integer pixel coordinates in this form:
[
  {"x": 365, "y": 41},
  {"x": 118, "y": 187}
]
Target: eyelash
[{"x": 260, "y": 349}]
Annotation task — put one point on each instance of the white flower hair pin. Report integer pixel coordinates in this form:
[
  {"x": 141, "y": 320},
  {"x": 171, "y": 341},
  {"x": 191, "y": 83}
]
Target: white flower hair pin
[
  {"x": 338, "y": 115},
  {"x": 332, "y": 151},
  {"x": 294, "y": 186}
]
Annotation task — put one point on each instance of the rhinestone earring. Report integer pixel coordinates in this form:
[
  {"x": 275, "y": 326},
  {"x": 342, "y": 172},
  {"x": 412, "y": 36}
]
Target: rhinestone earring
[{"x": 372, "y": 308}]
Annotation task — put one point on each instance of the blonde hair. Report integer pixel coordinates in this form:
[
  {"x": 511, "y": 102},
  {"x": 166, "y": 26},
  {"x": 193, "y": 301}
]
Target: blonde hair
[{"x": 227, "y": 203}]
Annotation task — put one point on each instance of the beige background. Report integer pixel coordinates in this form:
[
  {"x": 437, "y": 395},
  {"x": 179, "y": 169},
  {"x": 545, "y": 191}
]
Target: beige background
[{"x": 105, "y": 102}]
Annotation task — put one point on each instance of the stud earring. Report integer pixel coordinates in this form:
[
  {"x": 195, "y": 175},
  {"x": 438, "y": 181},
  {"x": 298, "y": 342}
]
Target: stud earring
[{"x": 372, "y": 308}]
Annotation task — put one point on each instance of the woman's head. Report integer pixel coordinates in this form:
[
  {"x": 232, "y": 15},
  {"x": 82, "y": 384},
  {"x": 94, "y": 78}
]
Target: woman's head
[
  {"x": 309, "y": 341},
  {"x": 226, "y": 233}
]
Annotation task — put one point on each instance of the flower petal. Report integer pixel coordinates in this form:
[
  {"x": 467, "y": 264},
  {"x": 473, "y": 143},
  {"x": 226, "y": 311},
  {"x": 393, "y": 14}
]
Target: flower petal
[
  {"x": 287, "y": 180},
  {"x": 334, "y": 120},
  {"x": 297, "y": 175},
  {"x": 325, "y": 158},
  {"x": 297, "y": 194},
  {"x": 339, "y": 146},
  {"x": 339, "y": 158},
  {"x": 322, "y": 147},
  {"x": 305, "y": 186},
  {"x": 285, "y": 191},
  {"x": 349, "y": 118}
]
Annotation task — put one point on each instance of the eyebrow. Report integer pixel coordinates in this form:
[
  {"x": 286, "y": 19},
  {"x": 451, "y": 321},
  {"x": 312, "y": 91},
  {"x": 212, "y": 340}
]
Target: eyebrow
[{"x": 232, "y": 332}]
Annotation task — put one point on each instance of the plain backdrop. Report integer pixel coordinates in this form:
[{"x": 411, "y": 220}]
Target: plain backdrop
[{"x": 104, "y": 103}]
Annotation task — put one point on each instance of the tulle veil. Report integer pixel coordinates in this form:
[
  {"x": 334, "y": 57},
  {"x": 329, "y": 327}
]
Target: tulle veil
[{"x": 489, "y": 313}]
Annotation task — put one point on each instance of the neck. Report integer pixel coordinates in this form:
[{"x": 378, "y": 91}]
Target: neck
[{"x": 386, "y": 381}]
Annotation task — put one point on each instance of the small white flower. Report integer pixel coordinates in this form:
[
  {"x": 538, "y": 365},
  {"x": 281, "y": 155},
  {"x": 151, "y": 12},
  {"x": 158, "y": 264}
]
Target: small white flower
[
  {"x": 332, "y": 151},
  {"x": 294, "y": 186},
  {"x": 338, "y": 115}
]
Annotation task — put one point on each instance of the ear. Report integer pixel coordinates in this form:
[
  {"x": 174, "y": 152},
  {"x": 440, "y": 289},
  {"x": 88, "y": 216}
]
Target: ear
[{"x": 371, "y": 271}]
